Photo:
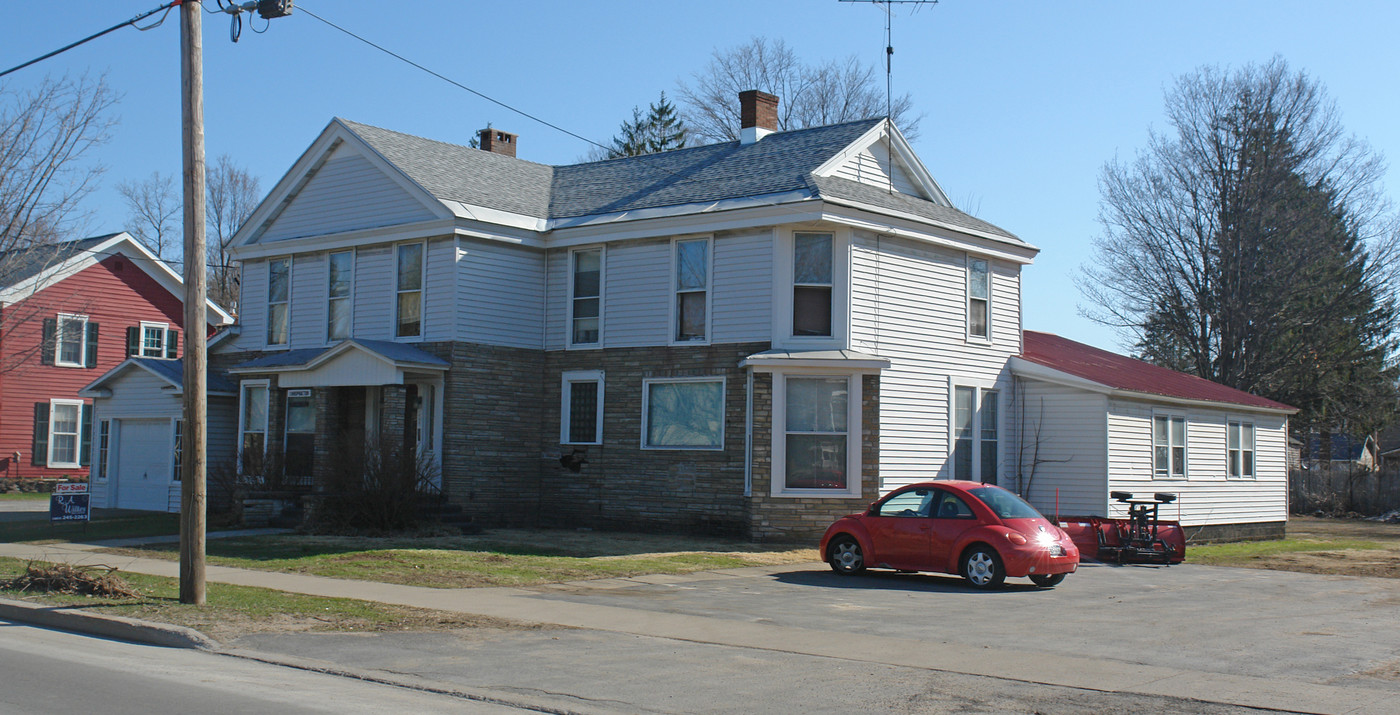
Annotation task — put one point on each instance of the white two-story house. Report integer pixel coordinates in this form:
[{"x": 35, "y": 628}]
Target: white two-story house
[{"x": 750, "y": 337}]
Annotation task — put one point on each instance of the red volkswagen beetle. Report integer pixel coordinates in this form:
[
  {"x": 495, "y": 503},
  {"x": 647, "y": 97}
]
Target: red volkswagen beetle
[{"x": 980, "y": 531}]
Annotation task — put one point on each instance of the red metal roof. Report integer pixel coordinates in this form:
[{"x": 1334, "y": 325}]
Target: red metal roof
[{"x": 1125, "y": 373}]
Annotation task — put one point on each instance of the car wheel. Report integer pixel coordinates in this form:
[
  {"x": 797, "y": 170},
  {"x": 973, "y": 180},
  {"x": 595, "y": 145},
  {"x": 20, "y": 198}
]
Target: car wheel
[
  {"x": 1047, "y": 580},
  {"x": 982, "y": 568},
  {"x": 845, "y": 556}
]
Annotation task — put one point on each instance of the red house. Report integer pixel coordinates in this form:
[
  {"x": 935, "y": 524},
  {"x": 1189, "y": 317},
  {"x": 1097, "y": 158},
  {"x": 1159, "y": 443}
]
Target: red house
[{"x": 69, "y": 312}]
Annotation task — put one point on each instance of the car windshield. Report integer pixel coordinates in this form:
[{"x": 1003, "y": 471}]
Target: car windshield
[{"x": 1005, "y": 504}]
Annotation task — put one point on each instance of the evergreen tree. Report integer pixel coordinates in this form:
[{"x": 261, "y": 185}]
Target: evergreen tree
[{"x": 661, "y": 129}]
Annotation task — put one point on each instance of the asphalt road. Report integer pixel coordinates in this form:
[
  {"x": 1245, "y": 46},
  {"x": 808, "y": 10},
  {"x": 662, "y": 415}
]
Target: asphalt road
[{"x": 43, "y": 671}]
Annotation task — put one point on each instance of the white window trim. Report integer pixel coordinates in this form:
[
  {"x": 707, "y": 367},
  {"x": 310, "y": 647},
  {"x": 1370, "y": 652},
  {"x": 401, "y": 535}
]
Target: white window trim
[
  {"x": 58, "y": 340},
  {"x": 1253, "y": 447},
  {"x": 77, "y": 436},
  {"x": 854, "y": 430},
  {"x": 571, "y": 376},
  {"x": 783, "y": 272},
  {"x": 267, "y": 309},
  {"x": 646, "y": 410},
  {"x": 349, "y": 299},
  {"x": 967, "y": 300},
  {"x": 676, "y": 291},
  {"x": 1185, "y": 446},
  {"x": 164, "y": 335},
  {"x": 980, "y": 387},
  {"x": 100, "y": 456},
  {"x": 602, "y": 297},
  {"x": 242, "y": 410},
  {"x": 422, "y": 296}
]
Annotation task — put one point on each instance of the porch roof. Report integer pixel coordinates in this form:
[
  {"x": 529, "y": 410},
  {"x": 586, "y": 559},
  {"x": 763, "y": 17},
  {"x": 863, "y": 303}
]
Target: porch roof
[
  {"x": 351, "y": 362},
  {"x": 839, "y": 359}
]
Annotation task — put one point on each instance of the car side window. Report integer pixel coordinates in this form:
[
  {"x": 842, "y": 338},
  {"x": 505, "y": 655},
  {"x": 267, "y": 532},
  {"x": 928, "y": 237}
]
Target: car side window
[
  {"x": 914, "y": 502},
  {"x": 950, "y": 506}
]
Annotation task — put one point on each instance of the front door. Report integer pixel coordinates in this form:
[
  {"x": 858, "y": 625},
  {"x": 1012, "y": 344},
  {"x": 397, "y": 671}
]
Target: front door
[
  {"x": 421, "y": 423},
  {"x": 143, "y": 473}
]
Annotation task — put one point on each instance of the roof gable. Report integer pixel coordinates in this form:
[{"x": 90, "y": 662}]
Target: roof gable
[
  {"x": 39, "y": 267},
  {"x": 1118, "y": 372},
  {"x": 344, "y": 193}
]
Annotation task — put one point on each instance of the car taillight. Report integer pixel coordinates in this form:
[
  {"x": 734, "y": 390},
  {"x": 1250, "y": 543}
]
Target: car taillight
[{"x": 1015, "y": 538}]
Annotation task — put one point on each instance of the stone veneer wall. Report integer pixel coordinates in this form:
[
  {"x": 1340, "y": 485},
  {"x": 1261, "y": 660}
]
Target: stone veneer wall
[
  {"x": 492, "y": 426},
  {"x": 625, "y": 486},
  {"x": 799, "y": 518}
]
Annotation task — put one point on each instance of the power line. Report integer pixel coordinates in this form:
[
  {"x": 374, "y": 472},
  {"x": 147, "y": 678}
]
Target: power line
[
  {"x": 166, "y": 7},
  {"x": 450, "y": 81}
]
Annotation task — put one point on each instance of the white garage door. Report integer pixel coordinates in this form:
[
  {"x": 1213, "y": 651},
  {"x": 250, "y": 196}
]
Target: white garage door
[{"x": 143, "y": 465}]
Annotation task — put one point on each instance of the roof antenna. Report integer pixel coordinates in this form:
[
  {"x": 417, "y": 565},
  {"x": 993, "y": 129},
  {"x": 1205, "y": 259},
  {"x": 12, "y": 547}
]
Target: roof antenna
[{"x": 889, "y": 70}]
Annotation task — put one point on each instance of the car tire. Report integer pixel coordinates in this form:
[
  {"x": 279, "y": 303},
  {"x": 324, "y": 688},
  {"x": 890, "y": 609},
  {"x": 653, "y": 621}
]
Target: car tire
[
  {"x": 982, "y": 567},
  {"x": 1047, "y": 580},
  {"x": 845, "y": 555}
]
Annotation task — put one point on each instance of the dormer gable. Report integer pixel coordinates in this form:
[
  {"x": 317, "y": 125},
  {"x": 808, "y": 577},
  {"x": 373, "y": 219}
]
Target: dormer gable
[{"x": 882, "y": 158}]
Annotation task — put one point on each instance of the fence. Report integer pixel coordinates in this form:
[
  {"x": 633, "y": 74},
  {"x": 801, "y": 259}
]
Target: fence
[{"x": 1342, "y": 487}]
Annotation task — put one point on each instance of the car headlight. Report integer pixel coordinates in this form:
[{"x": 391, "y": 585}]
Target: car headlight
[{"x": 1045, "y": 538}]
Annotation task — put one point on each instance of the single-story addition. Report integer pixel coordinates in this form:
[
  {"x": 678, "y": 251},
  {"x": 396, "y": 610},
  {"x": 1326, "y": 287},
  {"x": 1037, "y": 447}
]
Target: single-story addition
[
  {"x": 1088, "y": 422},
  {"x": 139, "y": 412}
]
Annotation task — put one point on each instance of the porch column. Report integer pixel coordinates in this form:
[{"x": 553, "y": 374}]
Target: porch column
[
  {"x": 392, "y": 416},
  {"x": 329, "y": 431}
]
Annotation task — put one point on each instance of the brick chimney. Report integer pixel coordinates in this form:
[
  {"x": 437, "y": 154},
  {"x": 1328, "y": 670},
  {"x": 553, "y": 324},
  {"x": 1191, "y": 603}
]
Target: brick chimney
[
  {"x": 498, "y": 142},
  {"x": 758, "y": 115}
]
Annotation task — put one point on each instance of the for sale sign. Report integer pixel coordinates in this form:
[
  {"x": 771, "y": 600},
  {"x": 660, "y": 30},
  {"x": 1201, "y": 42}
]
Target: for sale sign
[{"x": 69, "y": 502}]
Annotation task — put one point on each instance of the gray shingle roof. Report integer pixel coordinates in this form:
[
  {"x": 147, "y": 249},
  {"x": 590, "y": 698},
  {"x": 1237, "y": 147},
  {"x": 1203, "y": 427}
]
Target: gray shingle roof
[
  {"x": 174, "y": 372},
  {"x": 782, "y": 162},
  {"x": 20, "y": 265}
]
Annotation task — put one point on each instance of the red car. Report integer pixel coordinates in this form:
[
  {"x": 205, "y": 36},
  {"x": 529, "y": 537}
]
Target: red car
[{"x": 980, "y": 531}]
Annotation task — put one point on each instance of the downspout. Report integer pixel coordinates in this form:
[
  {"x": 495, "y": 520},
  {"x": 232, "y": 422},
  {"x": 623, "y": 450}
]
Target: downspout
[{"x": 748, "y": 434}]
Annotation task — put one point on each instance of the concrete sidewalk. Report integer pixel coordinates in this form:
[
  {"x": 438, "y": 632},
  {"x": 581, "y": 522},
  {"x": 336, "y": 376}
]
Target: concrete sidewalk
[{"x": 537, "y": 606}]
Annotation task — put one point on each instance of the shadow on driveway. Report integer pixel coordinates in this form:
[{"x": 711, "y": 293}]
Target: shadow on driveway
[{"x": 895, "y": 581}]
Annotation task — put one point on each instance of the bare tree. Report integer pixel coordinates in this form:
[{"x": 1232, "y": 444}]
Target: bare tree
[
  {"x": 1252, "y": 245},
  {"x": 155, "y": 208},
  {"x": 233, "y": 194},
  {"x": 45, "y": 134},
  {"x": 810, "y": 95}
]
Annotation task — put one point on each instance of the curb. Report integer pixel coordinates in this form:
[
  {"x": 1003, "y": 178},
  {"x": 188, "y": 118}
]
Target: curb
[{"x": 116, "y": 627}]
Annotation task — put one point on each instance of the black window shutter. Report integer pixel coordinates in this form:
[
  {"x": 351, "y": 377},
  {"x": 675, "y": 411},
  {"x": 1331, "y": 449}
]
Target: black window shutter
[
  {"x": 85, "y": 441},
  {"x": 46, "y": 351},
  {"x": 91, "y": 360},
  {"x": 40, "y": 456},
  {"x": 133, "y": 341},
  {"x": 172, "y": 343}
]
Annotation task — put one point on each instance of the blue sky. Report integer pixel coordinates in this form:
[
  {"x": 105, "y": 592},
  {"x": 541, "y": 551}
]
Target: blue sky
[{"x": 1023, "y": 100}]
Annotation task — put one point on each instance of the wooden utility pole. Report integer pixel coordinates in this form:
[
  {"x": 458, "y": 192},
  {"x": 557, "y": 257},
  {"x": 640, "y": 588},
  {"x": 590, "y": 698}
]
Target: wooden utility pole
[{"x": 192, "y": 473}]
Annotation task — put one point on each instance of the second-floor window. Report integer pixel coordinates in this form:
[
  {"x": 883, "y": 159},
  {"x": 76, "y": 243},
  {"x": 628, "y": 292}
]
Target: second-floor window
[
  {"x": 70, "y": 349},
  {"x": 811, "y": 284},
  {"x": 978, "y": 297},
  {"x": 692, "y": 289},
  {"x": 339, "y": 283},
  {"x": 279, "y": 283},
  {"x": 153, "y": 339},
  {"x": 408, "y": 322},
  {"x": 586, "y": 296}
]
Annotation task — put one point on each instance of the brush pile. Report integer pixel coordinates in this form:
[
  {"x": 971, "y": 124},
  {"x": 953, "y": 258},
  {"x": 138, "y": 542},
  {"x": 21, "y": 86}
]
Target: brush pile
[{"x": 39, "y": 577}]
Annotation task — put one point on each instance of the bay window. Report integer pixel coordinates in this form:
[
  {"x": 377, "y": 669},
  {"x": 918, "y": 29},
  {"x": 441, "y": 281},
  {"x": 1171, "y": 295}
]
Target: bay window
[
  {"x": 812, "y": 284},
  {"x": 339, "y": 281},
  {"x": 408, "y": 322},
  {"x": 585, "y": 296},
  {"x": 692, "y": 266},
  {"x": 816, "y": 433},
  {"x": 978, "y": 298}
]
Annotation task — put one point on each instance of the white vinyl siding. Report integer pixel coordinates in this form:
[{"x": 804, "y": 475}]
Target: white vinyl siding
[
  {"x": 637, "y": 294},
  {"x": 438, "y": 290},
  {"x": 1069, "y": 425},
  {"x": 345, "y": 194},
  {"x": 742, "y": 301},
  {"x": 308, "y": 291},
  {"x": 1208, "y": 496},
  {"x": 374, "y": 293},
  {"x": 907, "y": 306},
  {"x": 872, "y": 166},
  {"x": 252, "y": 313},
  {"x": 500, "y": 295}
]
